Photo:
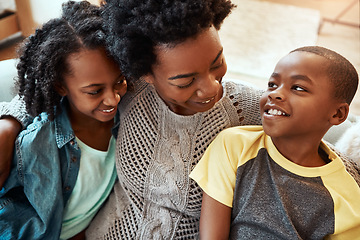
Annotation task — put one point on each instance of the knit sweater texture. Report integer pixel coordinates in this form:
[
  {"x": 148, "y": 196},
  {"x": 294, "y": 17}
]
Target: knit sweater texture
[{"x": 156, "y": 151}]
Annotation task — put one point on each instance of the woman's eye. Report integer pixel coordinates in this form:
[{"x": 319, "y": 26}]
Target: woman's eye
[
  {"x": 217, "y": 66},
  {"x": 186, "y": 85}
]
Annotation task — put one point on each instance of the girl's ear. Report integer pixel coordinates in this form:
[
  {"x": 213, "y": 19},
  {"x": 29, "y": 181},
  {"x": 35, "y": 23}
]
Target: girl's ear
[
  {"x": 61, "y": 89},
  {"x": 341, "y": 114}
]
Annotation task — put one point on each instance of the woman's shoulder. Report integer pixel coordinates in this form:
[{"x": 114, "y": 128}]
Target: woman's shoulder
[{"x": 243, "y": 98}]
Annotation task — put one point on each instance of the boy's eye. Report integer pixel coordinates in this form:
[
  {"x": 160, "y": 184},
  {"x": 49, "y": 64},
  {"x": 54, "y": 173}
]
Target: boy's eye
[
  {"x": 272, "y": 85},
  {"x": 299, "y": 88}
]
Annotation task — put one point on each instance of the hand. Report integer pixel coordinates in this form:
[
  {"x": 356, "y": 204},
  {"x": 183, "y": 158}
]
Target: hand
[{"x": 9, "y": 129}]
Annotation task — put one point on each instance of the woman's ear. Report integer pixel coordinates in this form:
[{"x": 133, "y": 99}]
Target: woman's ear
[{"x": 341, "y": 114}]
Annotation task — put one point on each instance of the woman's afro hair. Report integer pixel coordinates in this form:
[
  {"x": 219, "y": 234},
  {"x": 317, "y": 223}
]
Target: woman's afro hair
[
  {"x": 43, "y": 56},
  {"x": 135, "y": 27}
]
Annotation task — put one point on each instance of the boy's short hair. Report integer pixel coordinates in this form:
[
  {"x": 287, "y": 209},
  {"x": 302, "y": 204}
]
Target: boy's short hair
[{"x": 341, "y": 72}]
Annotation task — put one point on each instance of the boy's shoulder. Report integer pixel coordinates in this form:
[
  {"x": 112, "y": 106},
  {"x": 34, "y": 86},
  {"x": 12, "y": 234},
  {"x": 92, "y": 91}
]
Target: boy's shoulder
[
  {"x": 248, "y": 131},
  {"x": 351, "y": 166}
]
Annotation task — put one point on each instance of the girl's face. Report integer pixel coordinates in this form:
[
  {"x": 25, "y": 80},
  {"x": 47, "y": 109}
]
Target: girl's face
[
  {"x": 94, "y": 86},
  {"x": 188, "y": 76}
]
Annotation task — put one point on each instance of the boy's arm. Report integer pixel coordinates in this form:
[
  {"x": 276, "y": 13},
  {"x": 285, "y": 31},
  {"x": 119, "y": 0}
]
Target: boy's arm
[{"x": 214, "y": 219}]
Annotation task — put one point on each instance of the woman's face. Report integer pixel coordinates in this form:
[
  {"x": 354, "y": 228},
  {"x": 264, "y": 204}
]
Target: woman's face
[{"x": 188, "y": 76}]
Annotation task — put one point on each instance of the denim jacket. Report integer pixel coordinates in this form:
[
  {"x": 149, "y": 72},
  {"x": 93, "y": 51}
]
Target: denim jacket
[{"x": 44, "y": 172}]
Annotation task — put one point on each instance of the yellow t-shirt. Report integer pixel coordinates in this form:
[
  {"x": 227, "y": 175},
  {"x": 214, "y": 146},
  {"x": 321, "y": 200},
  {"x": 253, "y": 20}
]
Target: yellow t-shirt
[{"x": 272, "y": 197}]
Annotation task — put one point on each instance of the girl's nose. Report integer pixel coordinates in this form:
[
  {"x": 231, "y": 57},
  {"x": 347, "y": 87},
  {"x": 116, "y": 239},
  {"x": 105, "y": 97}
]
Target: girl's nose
[{"x": 112, "y": 98}]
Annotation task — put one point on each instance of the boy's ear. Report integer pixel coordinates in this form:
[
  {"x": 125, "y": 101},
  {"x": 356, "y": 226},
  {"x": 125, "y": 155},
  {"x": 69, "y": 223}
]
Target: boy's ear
[
  {"x": 341, "y": 114},
  {"x": 61, "y": 89}
]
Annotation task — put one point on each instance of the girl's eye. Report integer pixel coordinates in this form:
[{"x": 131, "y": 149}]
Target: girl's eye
[
  {"x": 94, "y": 92},
  {"x": 121, "y": 81}
]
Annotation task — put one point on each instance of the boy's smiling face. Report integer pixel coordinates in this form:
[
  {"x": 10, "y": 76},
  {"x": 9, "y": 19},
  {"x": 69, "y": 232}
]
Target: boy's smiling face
[{"x": 299, "y": 101}]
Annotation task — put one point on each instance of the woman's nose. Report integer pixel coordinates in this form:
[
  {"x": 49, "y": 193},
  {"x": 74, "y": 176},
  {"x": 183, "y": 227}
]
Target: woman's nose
[{"x": 208, "y": 88}]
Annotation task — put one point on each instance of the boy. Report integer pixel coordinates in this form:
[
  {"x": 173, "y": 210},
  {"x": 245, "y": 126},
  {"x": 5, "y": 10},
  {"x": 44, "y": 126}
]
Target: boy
[{"x": 280, "y": 181}]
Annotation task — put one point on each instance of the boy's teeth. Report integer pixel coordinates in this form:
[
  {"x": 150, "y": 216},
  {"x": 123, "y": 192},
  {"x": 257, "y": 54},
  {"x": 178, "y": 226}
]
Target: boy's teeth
[{"x": 276, "y": 112}]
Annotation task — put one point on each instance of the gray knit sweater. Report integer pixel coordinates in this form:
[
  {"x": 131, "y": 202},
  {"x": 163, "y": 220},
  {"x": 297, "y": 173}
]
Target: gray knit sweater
[{"x": 156, "y": 150}]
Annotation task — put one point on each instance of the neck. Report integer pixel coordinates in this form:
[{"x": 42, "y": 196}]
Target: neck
[{"x": 304, "y": 152}]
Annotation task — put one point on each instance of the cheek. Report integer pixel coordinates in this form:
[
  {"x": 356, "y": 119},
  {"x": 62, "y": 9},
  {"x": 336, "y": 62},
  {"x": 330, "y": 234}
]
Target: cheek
[{"x": 263, "y": 100}]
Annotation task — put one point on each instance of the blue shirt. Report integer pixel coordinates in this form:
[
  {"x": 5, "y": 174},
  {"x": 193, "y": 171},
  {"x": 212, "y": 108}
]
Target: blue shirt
[{"x": 44, "y": 172}]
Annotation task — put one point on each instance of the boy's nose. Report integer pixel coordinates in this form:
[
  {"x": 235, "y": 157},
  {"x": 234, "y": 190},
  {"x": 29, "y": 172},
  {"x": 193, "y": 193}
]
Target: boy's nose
[{"x": 277, "y": 94}]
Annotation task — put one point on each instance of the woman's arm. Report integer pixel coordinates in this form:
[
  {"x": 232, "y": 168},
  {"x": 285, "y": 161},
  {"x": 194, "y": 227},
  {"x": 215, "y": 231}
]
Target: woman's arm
[
  {"x": 12, "y": 116},
  {"x": 215, "y": 219},
  {"x": 9, "y": 129}
]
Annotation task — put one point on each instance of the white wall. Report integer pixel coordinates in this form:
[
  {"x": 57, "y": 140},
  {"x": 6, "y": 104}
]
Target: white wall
[
  {"x": 44, "y": 10},
  {"x": 7, "y": 4}
]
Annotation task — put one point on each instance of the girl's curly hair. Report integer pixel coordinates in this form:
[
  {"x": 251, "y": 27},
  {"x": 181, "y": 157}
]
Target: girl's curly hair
[
  {"x": 43, "y": 56},
  {"x": 135, "y": 27}
]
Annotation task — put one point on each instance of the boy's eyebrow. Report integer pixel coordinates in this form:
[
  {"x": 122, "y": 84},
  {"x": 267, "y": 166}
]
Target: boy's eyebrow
[
  {"x": 302, "y": 77},
  {"x": 294, "y": 77},
  {"x": 186, "y": 75}
]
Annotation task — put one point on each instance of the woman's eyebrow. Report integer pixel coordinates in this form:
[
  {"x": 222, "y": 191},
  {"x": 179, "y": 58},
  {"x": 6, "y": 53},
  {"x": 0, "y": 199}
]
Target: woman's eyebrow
[
  {"x": 183, "y": 76},
  {"x": 186, "y": 75}
]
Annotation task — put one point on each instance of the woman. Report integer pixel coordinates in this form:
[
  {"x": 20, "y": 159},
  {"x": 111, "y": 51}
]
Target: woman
[{"x": 172, "y": 52}]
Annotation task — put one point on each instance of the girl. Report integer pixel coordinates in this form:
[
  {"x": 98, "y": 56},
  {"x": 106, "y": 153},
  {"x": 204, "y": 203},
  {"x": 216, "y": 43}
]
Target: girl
[{"x": 64, "y": 163}]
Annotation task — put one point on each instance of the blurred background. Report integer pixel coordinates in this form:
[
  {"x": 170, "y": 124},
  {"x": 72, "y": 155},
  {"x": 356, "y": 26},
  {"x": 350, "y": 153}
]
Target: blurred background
[{"x": 255, "y": 36}]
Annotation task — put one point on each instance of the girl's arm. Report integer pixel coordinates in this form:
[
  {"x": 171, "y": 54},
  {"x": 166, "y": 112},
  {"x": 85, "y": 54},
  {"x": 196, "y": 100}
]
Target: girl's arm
[{"x": 215, "y": 219}]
